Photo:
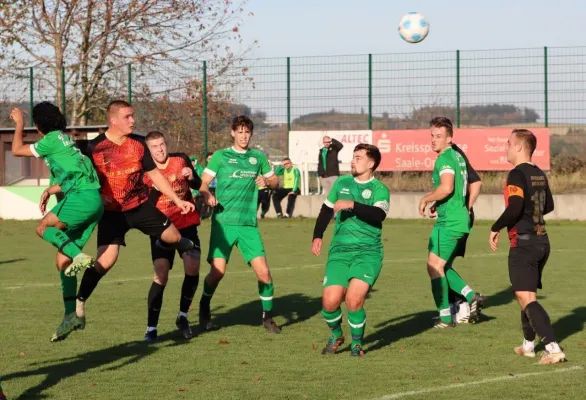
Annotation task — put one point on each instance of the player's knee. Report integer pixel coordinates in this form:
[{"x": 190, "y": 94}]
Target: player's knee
[
  {"x": 434, "y": 270},
  {"x": 63, "y": 263},
  {"x": 171, "y": 235},
  {"x": 40, "y": 229},
  {"x": 161, "y": 279}
]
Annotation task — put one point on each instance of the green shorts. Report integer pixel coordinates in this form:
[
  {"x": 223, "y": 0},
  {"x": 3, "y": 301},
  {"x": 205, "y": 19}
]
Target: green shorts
[
  {"x": 342, "y": 266},
  {"x": 445, "y": 243},
  {"x": 224, "y": 237},
  {"x": 80, "y": 212}
]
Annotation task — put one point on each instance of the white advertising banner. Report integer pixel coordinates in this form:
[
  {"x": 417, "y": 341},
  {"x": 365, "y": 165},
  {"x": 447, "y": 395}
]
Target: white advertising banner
[{"x": 304, "y": 146}]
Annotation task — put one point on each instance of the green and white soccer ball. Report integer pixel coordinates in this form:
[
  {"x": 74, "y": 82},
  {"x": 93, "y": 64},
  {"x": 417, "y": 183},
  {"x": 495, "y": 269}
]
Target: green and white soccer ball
[{"x": 413, "y": 27}]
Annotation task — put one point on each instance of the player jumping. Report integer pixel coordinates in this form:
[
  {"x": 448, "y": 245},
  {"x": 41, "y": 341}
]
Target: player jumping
[
  {"x": 238, "y": 170},
  {"x": 70, "y": 224},
  {"x": 179, "y": 171},
  {"x": 121, "y": 158},
  {"x": 360, "y": 203},
  {"x": 450, "y": 183},
  {"x": 527, "y": 199}
]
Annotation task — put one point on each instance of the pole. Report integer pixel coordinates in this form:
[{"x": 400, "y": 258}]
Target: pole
[
  {"x": 370, "y": 91},
  {"x": 205, "y": 110},
  {"x": 457, "y": 88},
  {"x": 31, "y": 94},
  {"x": 545, "y": 88},
  {"x": 129, "y": 70}
]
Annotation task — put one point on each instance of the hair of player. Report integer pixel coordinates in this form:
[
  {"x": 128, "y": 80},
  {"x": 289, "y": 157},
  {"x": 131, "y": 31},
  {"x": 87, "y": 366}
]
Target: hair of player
[
  {"x": 372, "y": 152},
  {"x": 528, "y": 138},
  {"x": 443, "y": 122},
  {"x": 286, "y": 159},
  {"x": 115, "y": 106},
  {"x": 210, "y": 153},
  {"x": 48, "y": 118},
  {"x": 154, "y": 135},
  {"x": 242, "y": 121}
]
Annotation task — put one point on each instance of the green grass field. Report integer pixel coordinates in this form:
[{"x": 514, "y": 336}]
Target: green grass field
[{"x": 404, "y": 359}]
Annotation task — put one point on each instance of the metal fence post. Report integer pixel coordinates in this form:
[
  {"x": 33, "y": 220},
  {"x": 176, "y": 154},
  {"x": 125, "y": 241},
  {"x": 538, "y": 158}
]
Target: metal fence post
[
  {"x": 205, "y": 110},
  {"x": 457, "y": 88},
  {"x": 31, "y": 94},
  {"x": 288, "y": 94},
  {"x": 545, "y": 88},
  {"x": 129, "y": 83},
  {"x": 63, "y": 102},
  {"x": 370, "y": 91}
]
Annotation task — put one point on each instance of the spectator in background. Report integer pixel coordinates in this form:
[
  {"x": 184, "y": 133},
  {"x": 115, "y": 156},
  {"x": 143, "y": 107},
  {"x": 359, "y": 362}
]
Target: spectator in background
[
  {"x": 328, "y": 168},
  {"x": 264, "y": 200},
  {"x": 290, "y": 188}
]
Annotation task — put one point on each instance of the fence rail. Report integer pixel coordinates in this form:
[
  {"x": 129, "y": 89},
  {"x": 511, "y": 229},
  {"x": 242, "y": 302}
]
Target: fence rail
[{"x": 194, "y": 102}]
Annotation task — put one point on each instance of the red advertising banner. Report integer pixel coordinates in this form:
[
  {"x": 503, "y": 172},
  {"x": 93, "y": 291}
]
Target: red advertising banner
[{"x": 410, "y": 150}]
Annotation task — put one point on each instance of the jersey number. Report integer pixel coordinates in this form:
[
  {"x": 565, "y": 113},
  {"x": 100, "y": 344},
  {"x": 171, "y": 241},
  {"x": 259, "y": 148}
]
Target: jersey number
[
  {"x": 465, "y": 179},
  {"x": 538, "y": 208}
]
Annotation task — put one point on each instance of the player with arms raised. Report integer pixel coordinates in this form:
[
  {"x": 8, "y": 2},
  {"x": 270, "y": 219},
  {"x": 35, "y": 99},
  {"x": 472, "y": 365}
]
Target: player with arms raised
[
  {"x": 450, "y": 184},
  {"x": 70, "y": 224},
  {"x": 180, "y": 172},
  {"x": 238, "y": 170},
  {"x": 527, "y": 199},
  {"x": 360, "y": 203}
]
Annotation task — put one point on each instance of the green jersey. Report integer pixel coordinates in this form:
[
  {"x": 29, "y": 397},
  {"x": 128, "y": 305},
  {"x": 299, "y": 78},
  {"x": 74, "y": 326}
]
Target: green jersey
[
  {"x": 452, "y": 211},
  {"x": 350, "y": 232},
  {"x": 236, "y": 190},
  {"x": 69, "y": 168}
]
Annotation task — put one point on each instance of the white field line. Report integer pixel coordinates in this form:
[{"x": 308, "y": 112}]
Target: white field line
[
  {"x": 150, "y": 277},
  {"x": 548, "y": 371}
]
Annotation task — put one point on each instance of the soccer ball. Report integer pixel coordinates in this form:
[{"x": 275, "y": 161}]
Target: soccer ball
[{"x": 413, "y": 27}]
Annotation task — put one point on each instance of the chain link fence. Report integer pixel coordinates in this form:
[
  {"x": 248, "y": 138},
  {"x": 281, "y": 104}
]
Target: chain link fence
[{"x": 194, "y": 103}]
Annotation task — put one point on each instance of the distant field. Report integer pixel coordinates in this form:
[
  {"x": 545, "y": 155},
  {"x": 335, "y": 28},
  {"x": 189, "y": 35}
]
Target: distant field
[{"x": 405, "y": 358}]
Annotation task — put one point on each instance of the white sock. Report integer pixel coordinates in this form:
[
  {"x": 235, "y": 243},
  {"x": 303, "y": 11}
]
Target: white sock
[
  {"x": 151, "y": 328},
  {"x": 182, "y": 314},
  {"x": 553, "y": 347},
  {"x": 528, "y": 345}
]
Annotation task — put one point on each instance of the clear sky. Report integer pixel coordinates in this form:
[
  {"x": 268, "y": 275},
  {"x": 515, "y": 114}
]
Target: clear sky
[{"x": 333, "y": 27}]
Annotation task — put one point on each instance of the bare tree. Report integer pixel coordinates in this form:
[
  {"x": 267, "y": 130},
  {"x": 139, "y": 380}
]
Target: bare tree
[{"x": 83, "y": 42}]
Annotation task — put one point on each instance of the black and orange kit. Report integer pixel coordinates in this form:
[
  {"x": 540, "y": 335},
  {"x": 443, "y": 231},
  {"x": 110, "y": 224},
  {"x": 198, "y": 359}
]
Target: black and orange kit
[
  {"x": 527, "y": 199},
  {"x": 120, "y": 169}
]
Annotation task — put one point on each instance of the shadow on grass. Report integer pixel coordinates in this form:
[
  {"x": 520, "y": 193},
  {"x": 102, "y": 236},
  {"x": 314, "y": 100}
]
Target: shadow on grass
[
  {"x": 119, "y": 356},
  {"x": 11, "y": 261},
  {"x": 295, "y": 308}
]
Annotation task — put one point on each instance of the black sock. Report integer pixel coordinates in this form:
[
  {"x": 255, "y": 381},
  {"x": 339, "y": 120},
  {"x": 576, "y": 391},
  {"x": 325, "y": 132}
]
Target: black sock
[
  {"x": 528, "y": 332},
  {"x": 90, "y": 280},
  {"x": 539, "y": 321},
  {"x": 188, "y": 291},
  {"x": 155, "y": 301}
]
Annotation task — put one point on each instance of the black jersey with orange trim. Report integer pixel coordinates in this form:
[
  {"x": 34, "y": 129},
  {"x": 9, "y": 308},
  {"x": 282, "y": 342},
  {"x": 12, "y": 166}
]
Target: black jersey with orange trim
[{"x": 530, "y": 183}]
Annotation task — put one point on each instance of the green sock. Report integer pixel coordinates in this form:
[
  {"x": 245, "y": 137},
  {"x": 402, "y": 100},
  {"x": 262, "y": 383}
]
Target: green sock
[
  {"x": 439, "y": 288},
  {"x": 334, "y": 321},
  {"x": 357, "y": 322},
  {"x": 61, "y": 241},
  {"x": 458, "y": 285},
  {"x": 266, "y": 291},
  {"x": 69, "y": 289}
]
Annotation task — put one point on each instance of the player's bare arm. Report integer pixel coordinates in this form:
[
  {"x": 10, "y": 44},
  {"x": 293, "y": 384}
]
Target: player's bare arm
[
  {"x": 46, "y": 195},
  {"x": 474, "y": 192},
  {"x": 271, "y": 182},
  {"x": 19, "y": 149},
  {"x": 445, "y": 189},
  {"x": 204, "y": 190},
  {"x": 165, "y": 187}
]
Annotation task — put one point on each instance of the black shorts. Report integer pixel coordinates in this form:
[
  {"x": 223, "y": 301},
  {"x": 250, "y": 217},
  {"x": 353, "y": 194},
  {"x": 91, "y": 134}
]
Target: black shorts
[
  {"x": 526, "y": 263},
  {"x": 114, "y": 225},
  {"x": 189, "y": 232}
]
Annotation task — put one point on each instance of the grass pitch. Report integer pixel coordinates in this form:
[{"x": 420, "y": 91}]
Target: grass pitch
[{"x": 405, "y": 358}]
